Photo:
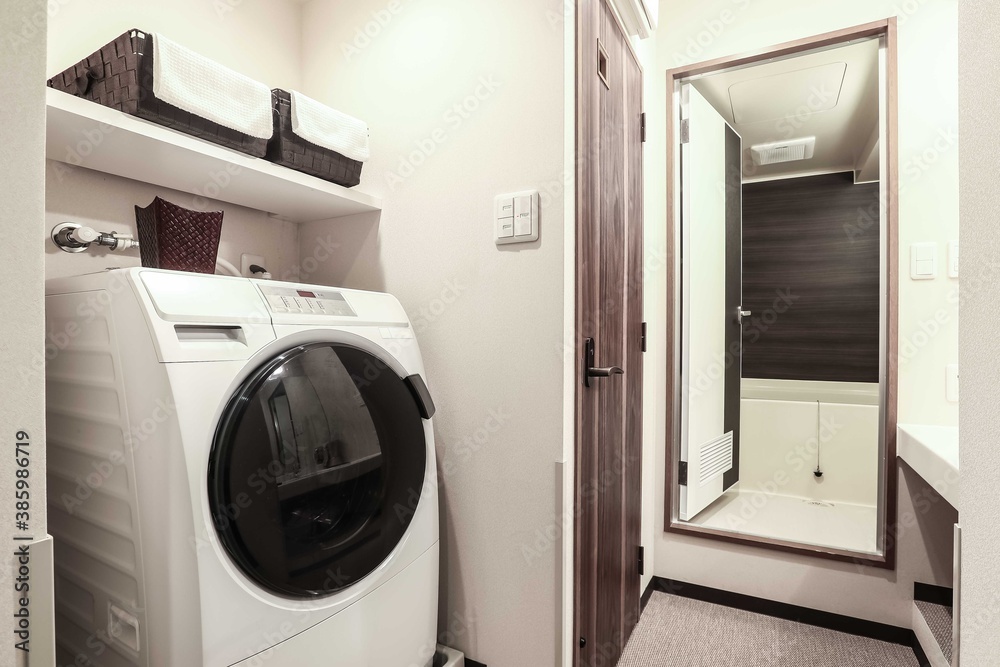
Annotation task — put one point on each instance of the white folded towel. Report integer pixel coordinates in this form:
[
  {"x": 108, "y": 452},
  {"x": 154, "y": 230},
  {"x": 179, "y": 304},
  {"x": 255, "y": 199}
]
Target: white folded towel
[
  {"x": 329, "y": 128},
  {"x": 205, "y": 88}
]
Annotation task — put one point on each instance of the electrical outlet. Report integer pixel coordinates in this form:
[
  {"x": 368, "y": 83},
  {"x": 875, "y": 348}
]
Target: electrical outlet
[{"x": 259, "y": 260}]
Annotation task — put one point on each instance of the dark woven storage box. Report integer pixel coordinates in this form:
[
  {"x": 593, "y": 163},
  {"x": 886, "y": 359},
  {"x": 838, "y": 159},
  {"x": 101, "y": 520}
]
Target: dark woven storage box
[
  {"x": 120, "y": 76},
  {"x": 290, "y": 150},
  {"x": 173, "y": 237}
]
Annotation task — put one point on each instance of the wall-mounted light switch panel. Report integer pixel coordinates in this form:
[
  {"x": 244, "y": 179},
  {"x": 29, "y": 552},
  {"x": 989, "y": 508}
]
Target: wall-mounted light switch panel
[
  {"x": 516, "y": 217},
  {"x": 923, "y": 261},
  {"x": 953, "y": 259}
]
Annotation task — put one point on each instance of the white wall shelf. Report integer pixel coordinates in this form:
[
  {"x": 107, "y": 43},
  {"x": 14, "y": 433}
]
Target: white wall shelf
[{"x": 82, "y": 133}]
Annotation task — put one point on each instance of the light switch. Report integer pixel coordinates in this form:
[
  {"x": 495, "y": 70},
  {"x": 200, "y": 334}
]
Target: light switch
[
  {"x": 923, "y": 261},
  {"x": 953, "y": 259},
  {"x": 516, "y": 217},
  {"x": 504, "y": 207},
  {"x": 522, "y": 216}
]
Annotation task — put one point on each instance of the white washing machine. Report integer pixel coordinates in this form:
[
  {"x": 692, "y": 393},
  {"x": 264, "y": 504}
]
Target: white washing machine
[{"x": 240, "y": 473}]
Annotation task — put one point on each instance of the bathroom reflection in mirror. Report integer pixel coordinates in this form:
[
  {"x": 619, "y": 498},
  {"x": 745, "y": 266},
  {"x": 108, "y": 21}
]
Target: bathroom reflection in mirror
[{"x": 780, "y": 307}]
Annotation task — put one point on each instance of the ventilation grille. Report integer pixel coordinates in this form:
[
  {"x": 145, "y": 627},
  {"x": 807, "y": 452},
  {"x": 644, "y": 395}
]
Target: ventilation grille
[
  {"x": 716, "y": 457},
  {"x": 783, "y": 151}
]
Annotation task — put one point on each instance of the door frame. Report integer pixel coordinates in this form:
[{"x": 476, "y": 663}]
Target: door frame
[
  {"x": 587, "y": 173},
  {"x": 886, "y": 29}
]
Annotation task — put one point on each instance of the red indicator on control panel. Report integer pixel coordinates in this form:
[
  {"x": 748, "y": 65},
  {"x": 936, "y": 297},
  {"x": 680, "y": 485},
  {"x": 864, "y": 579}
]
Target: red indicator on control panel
[{"x": 308, "y": 295}]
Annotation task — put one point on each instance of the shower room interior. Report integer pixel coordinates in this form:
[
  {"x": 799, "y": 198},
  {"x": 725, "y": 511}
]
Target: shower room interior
[{"x": 783, "y": 299}]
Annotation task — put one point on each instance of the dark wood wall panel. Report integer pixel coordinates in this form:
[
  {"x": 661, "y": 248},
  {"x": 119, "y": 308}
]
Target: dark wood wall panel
[
  {"x": 734, "y": 294},
  {"x": 815, "y": 239}
]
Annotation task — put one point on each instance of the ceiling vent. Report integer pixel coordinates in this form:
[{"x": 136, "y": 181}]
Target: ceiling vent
[{"x": 783, "y": 151}]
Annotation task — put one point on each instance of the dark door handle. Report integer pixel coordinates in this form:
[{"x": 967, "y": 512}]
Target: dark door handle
[
  {"x": 604, "y": 372},
  {"x": 589, "y": 371}
]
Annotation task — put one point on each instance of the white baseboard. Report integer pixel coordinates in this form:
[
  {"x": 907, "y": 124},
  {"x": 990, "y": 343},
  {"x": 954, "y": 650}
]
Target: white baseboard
[{"x": 926, "y": 639}]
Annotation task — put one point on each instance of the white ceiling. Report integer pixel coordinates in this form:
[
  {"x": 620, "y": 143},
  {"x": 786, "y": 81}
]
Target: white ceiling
[{"x": 831, "y": 95}]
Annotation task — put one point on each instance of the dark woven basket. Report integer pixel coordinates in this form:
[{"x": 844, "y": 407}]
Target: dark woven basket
[
  {"x": 120, "y": 76},
  {"x": 290, "y": 150},
  {"x": 173, "y": 237}
]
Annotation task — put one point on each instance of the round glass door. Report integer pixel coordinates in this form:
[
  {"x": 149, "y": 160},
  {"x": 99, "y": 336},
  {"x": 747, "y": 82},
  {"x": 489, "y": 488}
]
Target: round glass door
[{"x": 316, "y": 469}]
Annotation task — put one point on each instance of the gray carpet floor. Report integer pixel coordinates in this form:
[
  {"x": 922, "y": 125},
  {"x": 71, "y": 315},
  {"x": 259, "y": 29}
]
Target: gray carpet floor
[
  {"x": 678, "y": 632},
  {"x": 939, "y": 620}
]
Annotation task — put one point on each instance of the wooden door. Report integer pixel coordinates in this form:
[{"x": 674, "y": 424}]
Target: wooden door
[{"x": 610, "y": 334}]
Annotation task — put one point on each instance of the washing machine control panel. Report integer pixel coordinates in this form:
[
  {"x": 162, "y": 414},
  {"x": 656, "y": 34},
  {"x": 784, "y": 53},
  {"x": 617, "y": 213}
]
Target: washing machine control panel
[{"x": 292, "y": 300}]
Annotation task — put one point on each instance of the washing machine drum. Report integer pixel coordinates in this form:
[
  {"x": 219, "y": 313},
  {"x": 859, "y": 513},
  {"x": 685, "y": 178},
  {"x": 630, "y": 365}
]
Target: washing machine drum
[{"x": 317, "y": 468}]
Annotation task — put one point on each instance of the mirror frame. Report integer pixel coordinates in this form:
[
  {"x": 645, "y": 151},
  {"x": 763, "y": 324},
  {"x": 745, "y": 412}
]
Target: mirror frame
[{"x": 885, "y": 29}]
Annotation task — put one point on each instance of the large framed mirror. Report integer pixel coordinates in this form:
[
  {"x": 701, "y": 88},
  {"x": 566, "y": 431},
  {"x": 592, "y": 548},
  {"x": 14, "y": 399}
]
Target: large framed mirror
[{"x": 782, "y": 339}]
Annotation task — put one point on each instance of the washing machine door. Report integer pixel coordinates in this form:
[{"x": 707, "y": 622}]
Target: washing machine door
[{"x": 317, "y": 468}]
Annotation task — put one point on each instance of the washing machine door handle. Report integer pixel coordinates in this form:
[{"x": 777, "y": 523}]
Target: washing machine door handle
[{"x": 421, "y": 395}]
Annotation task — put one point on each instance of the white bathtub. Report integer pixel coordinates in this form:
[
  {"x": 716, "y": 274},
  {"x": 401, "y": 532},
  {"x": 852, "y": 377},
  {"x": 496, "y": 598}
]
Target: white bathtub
[{"x": 783, "y": 423}]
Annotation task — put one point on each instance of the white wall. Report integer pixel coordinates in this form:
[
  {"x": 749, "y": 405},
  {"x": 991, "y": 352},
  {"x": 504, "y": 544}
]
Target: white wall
[
  {"x": 979, "y": 32},
  {"x": 691, "y": 32},
  {"x": 107, "y": 202},
  {"x": 466, "y": 101},
  {"x": 654, "y": 296},
  {"x": 22, "y": 141},
  {"x": 260, "y": 39}
]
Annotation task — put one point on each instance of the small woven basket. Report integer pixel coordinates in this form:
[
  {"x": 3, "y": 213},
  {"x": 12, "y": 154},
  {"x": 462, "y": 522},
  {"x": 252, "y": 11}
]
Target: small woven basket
[
  {"x": 120, "y": 76},
  {"x": 173, "y": 237},
  {"x": 290, "y": 150}
]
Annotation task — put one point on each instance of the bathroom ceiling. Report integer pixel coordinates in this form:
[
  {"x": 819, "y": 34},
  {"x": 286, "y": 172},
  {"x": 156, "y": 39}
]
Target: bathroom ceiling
[{"x": 831, "y": 95}]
